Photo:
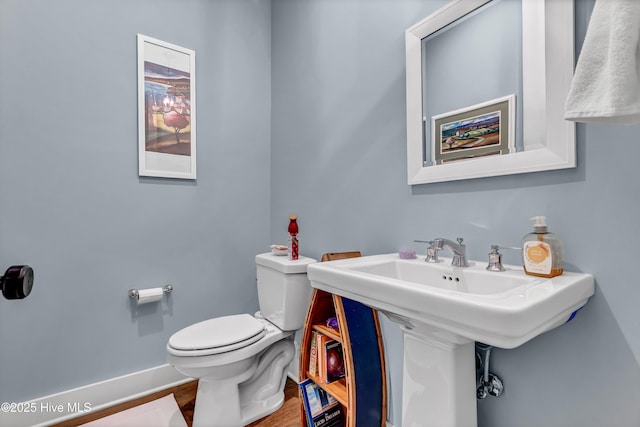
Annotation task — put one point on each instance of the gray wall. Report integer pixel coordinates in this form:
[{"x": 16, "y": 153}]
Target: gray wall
[
  {"x": 73, "y": 207},
  {"x": 339, "y": 161}
]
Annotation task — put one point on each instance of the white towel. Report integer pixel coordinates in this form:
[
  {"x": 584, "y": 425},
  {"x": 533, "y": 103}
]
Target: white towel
[{"x": 606, "y": 83}]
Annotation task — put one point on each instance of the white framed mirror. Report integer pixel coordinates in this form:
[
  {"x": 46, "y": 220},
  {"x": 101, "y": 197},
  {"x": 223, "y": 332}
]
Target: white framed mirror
[{"x": 534, "y": 66}]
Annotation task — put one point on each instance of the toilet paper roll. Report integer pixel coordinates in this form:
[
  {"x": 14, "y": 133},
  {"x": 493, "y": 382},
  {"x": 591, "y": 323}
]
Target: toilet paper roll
[{"x": 149, "y": 295}]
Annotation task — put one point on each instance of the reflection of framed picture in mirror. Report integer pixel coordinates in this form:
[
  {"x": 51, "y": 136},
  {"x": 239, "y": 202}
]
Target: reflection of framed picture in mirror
[{"x": 481, "y": 130}]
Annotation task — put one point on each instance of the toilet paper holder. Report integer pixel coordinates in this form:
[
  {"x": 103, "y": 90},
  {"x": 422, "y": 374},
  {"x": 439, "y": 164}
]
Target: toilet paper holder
[{"x": 133, "y": 293}]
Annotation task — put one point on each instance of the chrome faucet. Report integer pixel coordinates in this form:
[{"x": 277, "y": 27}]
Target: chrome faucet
[{"x": 459, "y": 250}]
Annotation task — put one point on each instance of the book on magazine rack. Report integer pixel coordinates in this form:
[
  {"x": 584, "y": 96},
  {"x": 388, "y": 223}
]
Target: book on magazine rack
[
  {"x": 313, "y": 354},
  {"x": 320, "y": 407},
  {"x": 332, "y": 362}
]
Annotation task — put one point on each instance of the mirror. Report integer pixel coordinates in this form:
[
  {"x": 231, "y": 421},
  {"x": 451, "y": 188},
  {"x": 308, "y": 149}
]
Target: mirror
[{"x": 462, "y": 122}]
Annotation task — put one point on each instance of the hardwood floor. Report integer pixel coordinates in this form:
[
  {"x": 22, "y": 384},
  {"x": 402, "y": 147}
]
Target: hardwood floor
[{"x": 286, "y": 416}]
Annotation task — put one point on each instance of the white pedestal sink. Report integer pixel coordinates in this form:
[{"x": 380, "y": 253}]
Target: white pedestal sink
[{"x": 442, "y": 310}]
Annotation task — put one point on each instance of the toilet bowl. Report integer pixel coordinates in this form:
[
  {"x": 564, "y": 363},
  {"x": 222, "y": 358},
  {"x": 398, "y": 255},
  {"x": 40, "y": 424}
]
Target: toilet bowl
[{"x": 241, "y": 361}]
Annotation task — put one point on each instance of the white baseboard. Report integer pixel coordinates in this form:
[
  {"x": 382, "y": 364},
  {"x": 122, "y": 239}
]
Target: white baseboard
[
  {"x": 76, "y": 402},
  {"x": 79, "y": 401}
]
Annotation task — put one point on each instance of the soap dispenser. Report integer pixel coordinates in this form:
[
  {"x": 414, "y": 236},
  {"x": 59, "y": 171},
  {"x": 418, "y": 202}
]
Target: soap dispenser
[{"x": 542, "y": 253}]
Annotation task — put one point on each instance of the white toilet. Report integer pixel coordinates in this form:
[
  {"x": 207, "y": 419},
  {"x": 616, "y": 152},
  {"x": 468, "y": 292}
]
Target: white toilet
[{"x": 241, "y": 361}]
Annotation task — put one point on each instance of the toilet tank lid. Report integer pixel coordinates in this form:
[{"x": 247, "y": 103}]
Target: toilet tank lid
[{"x": 284, "y": 264}]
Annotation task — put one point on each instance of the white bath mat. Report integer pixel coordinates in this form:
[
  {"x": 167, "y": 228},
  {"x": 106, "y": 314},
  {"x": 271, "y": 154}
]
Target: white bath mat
[{"x": 163, "y": 412}]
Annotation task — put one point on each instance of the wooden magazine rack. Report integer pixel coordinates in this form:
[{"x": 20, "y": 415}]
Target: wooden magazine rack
[{"x": 362, "y": 392}]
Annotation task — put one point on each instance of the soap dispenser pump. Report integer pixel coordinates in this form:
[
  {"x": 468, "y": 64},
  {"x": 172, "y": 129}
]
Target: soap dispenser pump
[{"x": 542, "y": 253}]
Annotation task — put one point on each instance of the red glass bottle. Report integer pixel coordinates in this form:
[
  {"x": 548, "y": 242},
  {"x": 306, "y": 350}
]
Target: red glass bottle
[{"x": 293, "y": 237}]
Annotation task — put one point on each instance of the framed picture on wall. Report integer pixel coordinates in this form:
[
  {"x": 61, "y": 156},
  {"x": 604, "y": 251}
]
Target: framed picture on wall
[
  {"x": 481, "y": 130},
  {"x": 166, "y": 110}
]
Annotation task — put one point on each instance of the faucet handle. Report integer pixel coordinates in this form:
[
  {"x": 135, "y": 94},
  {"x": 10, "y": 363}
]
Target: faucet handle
[
  {"x": 432, "y": 250},
  {"x": 495, "y": 257}
]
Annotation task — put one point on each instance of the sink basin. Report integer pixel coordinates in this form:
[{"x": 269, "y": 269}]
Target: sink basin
[
  {"x": 442, "y": 310},
  {"x": 504, "y": 309}
]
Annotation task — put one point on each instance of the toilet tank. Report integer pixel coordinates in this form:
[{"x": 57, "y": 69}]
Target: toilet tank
[{"x": 283, "y": 290}]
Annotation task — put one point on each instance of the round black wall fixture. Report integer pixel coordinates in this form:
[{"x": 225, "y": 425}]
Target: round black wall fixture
[{"x": 17, "y": 282}]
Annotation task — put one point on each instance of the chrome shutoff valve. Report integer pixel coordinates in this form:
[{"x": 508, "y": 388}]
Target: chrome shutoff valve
[
  {"x": 489, "y": 383},
  {"x": 492, "y": 385}
]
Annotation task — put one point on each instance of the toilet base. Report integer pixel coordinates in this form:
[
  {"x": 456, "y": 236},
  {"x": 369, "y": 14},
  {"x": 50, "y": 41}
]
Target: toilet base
[
  {"x": 239, "y": 401},
  {"x": 256, "y": 410}
]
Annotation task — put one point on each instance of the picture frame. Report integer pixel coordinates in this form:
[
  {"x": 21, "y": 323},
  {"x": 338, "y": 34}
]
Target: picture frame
[
  {"x": 166, "y": 109},
  {"x": 481, "y": 130}
]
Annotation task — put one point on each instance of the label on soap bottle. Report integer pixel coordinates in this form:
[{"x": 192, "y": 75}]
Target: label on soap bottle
[{"x": 537, "y": 257}]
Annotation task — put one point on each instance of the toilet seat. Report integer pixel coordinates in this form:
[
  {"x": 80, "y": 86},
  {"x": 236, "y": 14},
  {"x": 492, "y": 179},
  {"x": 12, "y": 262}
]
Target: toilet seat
[{"x": 219, "y": 335}]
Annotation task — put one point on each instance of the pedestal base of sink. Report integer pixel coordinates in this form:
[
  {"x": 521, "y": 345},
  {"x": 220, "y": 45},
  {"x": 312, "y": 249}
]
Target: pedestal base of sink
[{"x": 439, "y": 378}]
